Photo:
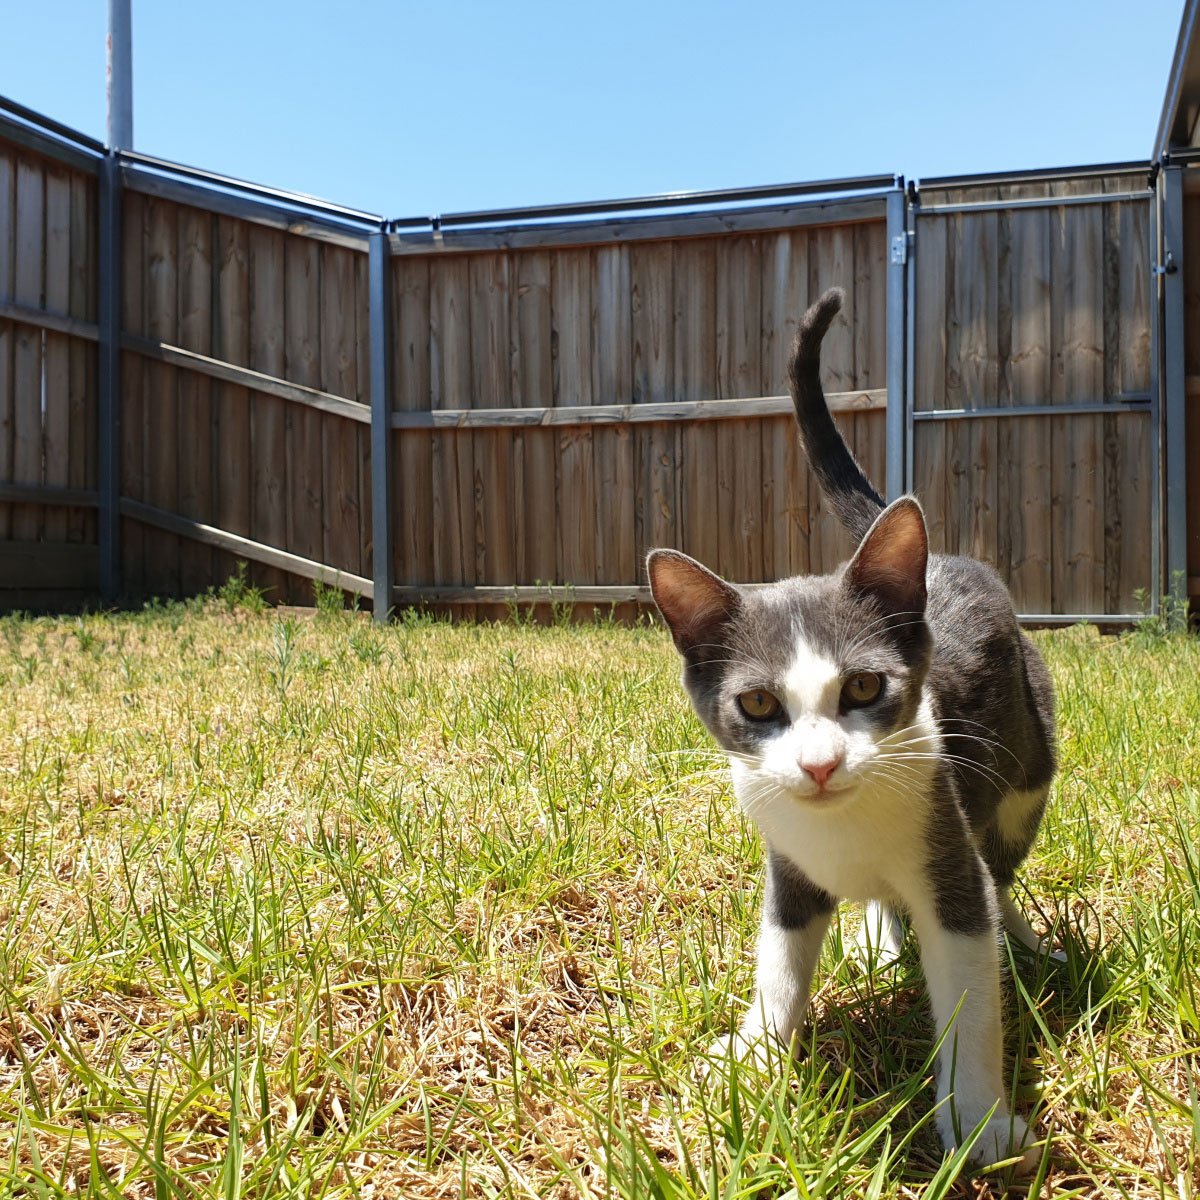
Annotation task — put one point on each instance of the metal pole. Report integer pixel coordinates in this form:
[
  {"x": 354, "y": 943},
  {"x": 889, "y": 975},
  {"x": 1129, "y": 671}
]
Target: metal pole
[
  {"x": 910, "y": 338},
  {"x": 1156, "y": 439},
  {"x": 108, "y": 414},
  {"x": 896, "y": 334},
  {"x": 120, "y": 75},
  {"x": 1174, "y": 430},
  {"x": 381, "y": 425}
]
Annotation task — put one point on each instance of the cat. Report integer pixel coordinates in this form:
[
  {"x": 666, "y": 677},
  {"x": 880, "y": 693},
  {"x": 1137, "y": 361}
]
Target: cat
[{"x": 890, "y": 730}]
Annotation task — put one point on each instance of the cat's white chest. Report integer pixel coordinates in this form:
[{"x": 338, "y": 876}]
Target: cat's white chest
[{"x": 870, "y": 847}]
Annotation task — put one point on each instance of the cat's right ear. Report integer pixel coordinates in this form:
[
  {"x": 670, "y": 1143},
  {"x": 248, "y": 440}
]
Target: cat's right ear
[{"x": 696, "y": 604}]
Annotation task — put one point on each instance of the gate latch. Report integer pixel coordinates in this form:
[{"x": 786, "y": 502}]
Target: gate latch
[{"x": 900, "y": 249}]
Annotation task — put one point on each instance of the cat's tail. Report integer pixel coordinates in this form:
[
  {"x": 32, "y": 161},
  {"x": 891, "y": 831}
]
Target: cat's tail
[{"x": 847, "y": 489}]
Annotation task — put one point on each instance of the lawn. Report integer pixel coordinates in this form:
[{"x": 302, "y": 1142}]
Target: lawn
[{"x": 294, "y": 905}]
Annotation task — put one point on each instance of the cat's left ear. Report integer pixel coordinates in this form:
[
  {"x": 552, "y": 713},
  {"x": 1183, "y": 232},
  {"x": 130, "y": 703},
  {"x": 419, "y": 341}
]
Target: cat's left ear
[
  {"x": 696, "y": 604},
  {"x": 891, "y": 560}
]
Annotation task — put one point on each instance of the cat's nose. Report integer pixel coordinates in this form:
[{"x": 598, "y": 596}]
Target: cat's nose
[{"x": 821, "y": 771}]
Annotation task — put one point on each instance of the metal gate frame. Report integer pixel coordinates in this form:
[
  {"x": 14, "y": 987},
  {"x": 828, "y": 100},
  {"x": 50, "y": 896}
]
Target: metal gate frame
[{"x": 904, "y": 247}]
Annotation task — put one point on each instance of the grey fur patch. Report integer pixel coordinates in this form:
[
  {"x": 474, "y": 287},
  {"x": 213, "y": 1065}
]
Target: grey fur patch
[{"x": 792, "y": 899}]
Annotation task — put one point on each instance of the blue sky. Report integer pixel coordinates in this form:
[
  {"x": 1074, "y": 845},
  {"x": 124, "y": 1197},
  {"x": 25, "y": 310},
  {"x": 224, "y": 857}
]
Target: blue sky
[{"x": 413, "y": 109}]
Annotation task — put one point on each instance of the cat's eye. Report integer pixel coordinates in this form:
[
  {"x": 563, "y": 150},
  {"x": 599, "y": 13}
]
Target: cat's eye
[
  {"x": 759, "y": 705},
  {"x": 861, "y": 689}
]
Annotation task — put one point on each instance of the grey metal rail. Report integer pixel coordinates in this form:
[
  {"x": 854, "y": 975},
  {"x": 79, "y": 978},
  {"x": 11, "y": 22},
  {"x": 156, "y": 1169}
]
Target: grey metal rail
[{"x": 542, "y": 212}]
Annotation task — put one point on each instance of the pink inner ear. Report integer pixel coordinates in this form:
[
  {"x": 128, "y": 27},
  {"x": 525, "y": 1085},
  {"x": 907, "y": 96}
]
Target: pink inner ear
[
  {"x": 893, "y": 557},
  {"x": 692, "y": 600}
]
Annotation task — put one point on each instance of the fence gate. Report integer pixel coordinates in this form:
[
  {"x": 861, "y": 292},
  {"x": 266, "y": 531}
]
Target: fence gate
[{"x": 1030, "y": 410}]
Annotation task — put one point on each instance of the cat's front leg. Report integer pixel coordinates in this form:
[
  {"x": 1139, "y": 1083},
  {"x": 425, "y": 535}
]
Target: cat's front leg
[
  {"x": 796, "y": 916},
  {"x": 961, "y": 960}
]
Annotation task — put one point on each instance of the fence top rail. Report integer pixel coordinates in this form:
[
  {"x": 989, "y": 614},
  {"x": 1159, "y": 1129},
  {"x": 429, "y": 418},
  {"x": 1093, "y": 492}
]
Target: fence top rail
[
  {"x": 229, "y": 183},
  {"x": 665, "y": 200},
  {"x": 831, "y": 210},
  {"x": 49, "y": 125},
  {"x": 1037, "y": 175},
  {"x": 48, "y": 145}
]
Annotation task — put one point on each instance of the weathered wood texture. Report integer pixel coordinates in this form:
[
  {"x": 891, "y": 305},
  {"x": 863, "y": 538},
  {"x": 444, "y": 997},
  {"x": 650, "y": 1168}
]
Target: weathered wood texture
[
  {"x": 1034, "y": 307},
  {"x": 47, "y": 375},
  {"x": 668, "y": 322},
  {"x": 210, "y": 445}
]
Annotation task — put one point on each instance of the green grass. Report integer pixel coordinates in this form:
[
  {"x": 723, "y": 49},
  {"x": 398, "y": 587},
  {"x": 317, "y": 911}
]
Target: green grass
[{"x": 291, "y": 905}]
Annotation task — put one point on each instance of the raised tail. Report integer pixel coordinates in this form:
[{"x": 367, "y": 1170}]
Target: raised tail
[{"x": 847, "y": 489}]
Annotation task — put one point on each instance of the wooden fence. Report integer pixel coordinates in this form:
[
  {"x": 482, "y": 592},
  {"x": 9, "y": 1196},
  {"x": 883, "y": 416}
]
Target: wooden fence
[
  {"x": 1038, "y": 312},
  {"x": 561, "y": 395}
]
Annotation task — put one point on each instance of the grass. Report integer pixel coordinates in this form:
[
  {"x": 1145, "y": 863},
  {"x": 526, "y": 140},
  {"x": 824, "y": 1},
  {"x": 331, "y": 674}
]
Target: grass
[{"x": 291, "y": 905}]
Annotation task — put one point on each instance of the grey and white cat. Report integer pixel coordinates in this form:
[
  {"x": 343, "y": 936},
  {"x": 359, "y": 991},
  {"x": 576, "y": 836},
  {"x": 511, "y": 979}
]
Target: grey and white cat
[{"x": 891, "y": 732}]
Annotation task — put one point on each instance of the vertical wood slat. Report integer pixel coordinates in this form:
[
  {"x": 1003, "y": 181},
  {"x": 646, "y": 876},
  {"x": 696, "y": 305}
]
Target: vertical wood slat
[
  {"x": 831, "y": 263},
  {"x": 231, "y": 341},
  {"x": 343, "y": 530},
  {"x": 785, "y": 473},
  {"x": 1028, "y": 484},
  {"x": 160, "y": 414},
  {"x": 498, "y": 458},
  {"x": 695, "y": 377},
  {"x": 612, "y": 448},
  {"x": 132, "y": 473},
  {"x": 453, "y": 461},
  {"x": 56, "y": 368},
  {"x": 739, "y": 443},
  {"x": 570, "y": 305},
  {"x": 533, "y": 384},
  {"x": 1077, "y": 506},
  {"x": 302, "y": 356},
  {"x": 84, "y": 370},
  {"x": 412, "y": 495},
  {"x": 656, "y": 491},
  {"x": 195, "y": 421},
  {"x": 8, "y": 223},
  {"x": 268, "y": 414},
  {"x": 28, "y": 277}
]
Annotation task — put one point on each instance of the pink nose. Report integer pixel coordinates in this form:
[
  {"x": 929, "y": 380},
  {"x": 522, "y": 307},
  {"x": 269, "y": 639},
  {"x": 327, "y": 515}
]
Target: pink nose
[{"x": 822, "y": 771}]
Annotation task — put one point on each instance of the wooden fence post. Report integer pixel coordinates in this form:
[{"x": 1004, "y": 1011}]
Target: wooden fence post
[
  {"x": 381, "y": 424},
  {"x": 108, "y": 399}
]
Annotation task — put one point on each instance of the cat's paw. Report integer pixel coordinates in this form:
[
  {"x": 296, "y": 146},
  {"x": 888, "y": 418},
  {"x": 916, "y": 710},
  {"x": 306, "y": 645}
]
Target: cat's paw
[
  {"x": 1004, "y": 1137},
  {"x": 747, "y": 1047}
]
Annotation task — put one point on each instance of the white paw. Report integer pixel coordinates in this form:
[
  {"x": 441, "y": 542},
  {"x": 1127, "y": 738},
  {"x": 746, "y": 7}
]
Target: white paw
[
  {"x": 1003, "y": 1137},
  {"x": 748, "y": 1047}
]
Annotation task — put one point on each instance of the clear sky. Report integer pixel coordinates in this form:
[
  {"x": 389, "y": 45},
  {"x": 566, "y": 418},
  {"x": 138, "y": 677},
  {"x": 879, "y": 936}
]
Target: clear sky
[{"x": 417, "y": 108}]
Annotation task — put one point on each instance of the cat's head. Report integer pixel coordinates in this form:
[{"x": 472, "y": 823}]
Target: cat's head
[{"x": 802, "y": 681}]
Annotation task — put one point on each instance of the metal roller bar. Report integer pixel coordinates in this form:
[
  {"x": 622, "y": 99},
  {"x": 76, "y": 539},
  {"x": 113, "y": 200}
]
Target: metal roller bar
[
  {"x": 1038, "y": 175},
  {"x": 1033, "y": 202},
  {"x": 297, "y": 199},
  {"x": 539, "y": 212},
  {"x": 1112, "y": 408},
  {"x": 33, "y": 139},
  {"x": 50, "y": 125}
]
